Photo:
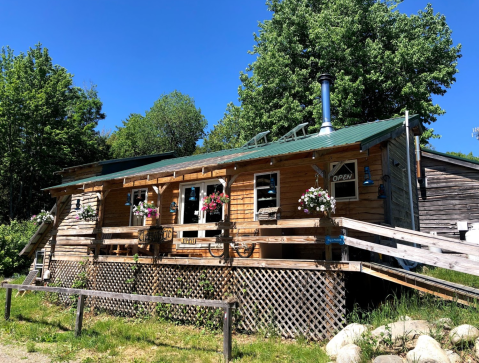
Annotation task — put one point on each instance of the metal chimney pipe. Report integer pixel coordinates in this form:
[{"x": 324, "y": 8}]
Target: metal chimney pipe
[{"x": 326, "y": 126}]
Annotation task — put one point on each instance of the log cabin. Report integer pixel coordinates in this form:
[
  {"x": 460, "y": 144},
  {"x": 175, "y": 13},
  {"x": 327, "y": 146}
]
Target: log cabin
[
  {"x": 448, "y": 194},
  {"x": 279, "y": 263}
]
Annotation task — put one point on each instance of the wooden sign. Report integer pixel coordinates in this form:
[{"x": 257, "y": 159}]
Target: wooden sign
[
  {"x": 188, "y": 241},
  {"x": 167, "y": 234}
]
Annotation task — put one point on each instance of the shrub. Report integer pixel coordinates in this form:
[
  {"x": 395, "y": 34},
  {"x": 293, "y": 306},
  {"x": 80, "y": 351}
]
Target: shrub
[{"x": 13, "y": 238}]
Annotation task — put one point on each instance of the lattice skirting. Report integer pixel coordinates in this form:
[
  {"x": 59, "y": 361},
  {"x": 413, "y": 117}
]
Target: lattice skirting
[{"x": 287, "y": 301}]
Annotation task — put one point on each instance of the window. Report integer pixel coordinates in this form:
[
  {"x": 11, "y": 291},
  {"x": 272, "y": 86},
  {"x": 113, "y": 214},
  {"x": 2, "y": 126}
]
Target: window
[
  {"x": 344, "y": 183},
  {"x": 137, "y": 196},
  {"x": 39, "y": 256},
  {"x": 266, "y": 191}
]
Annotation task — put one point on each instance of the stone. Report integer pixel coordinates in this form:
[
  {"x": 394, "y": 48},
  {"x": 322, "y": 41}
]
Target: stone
[
  {"x": 401, "y": 331},
  {"x": 463, "y": 333},
  {"x": 349, "y": 335},
  {"x": 350, "y": 353},
  {"x": 453, "y": 356},
  {"x": 388, "y": 359},
  {"x": 444, "y": 323},
  {"x": 427, "y": 350},
  {"x": 476, "y": 348}
]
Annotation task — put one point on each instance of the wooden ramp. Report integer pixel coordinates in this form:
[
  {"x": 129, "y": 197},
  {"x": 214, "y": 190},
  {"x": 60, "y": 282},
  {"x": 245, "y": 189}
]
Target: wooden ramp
[{"x": 441, "y": 288}]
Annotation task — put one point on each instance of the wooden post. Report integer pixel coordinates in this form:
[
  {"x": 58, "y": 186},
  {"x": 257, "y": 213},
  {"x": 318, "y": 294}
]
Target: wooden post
[
  {"x": 226, "y": 232},
  {"x": 227, "y": 333},
  {"x": 8, "y": 303},
  {"x": 79, "y": 318},
  {"x": 328, "y": 230},
  {"x": 344, "y": 248},
  {"x": 56, "y": 222},
  {"x": 159, "y": 191},
  {"x": 99, "y": 223}
]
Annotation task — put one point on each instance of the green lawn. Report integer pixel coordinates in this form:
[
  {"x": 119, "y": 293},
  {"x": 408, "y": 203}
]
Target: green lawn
[
  {"x": 48, "y": 328},
  {"x": 452, "y": 276}
]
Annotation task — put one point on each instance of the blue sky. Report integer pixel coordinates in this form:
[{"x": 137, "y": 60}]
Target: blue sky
[{"x": 136, "y": 51}]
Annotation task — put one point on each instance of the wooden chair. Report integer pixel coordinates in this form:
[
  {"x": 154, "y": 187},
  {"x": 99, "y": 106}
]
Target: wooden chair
[{"x": 28, "y": 281}]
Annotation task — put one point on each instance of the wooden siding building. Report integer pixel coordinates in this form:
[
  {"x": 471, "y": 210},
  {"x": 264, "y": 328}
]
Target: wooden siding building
[
  {"x": 290, "y": 257},
  {"x": 448, "y": 193}
]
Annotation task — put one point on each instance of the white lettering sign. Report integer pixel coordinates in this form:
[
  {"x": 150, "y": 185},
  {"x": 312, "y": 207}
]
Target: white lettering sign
[{"x": 343, "y": 177}]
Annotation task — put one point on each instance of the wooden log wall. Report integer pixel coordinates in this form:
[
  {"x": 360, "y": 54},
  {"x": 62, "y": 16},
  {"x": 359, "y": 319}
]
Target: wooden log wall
[
  {"x": 81, "y": 173},
  {"x": 451, "y": 195},
  {"x": 400, "y": 204}
]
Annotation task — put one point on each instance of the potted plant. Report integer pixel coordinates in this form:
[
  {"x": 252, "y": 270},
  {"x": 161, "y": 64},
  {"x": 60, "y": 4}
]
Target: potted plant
[
  {"x": 86, "y": 213},
  {"x": 317, "y": 201},
  {"x": 144, "y": 209},
  {"x": 42, "y": 217},
  {"x": 212, "y": 203}
]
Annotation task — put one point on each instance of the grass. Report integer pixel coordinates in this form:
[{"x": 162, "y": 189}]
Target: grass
[
  {"x": 452, "y": 276},
  {"x": 46, "y": 328}
]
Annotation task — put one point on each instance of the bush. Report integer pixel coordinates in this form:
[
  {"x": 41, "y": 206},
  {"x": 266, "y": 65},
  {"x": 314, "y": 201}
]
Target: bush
[{"x": 13, "y": 238}]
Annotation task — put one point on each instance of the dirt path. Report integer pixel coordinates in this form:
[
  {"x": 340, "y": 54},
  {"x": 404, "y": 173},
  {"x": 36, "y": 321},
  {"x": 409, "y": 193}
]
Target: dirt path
[{"x": 18, "y": 354}]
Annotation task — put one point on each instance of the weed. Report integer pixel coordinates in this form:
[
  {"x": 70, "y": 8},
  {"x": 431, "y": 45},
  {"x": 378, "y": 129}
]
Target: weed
[{"x": 31, "y": 347}]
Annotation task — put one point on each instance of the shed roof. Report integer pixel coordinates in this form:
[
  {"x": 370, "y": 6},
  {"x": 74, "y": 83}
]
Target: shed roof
[
  {"x": 450, "y": 158},
  {"x": 365, "y": 135}
]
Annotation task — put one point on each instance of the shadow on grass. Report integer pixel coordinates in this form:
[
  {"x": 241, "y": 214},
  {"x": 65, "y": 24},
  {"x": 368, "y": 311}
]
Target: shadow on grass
[{"x": 44, "y": 322}]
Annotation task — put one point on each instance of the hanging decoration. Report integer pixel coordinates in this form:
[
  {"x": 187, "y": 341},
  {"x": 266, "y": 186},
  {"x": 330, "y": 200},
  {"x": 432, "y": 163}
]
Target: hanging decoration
[
  {"x": 77, "y": 207},
  {"x": 42, "y": 217},
  {"x": 173, "y": 207},
  {"x": 193, "y": 195},
  {"x": 86, "y": 214},
  {"x": 316, "y": 200},
  {"x": 272, "y": 185},
  {"x": 381, "y": 192},
  {"x": 213, "y": 203},
  {"x": 367, "y": 176},
  {"x": 144, "y": 209}
]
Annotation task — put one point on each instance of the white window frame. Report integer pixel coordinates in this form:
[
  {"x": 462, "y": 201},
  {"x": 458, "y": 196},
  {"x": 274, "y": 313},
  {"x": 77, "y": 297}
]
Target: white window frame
[
  {"x": 132, "y": 194},
  {"x": 202, "y": 215},
  {"x": 356, "y": 179},
  {"x": 35, "y": 265},
  {"x": 278, "y": 190}
]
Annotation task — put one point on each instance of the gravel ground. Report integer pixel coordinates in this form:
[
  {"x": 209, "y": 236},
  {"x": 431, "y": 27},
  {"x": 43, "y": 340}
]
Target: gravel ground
[{"x": 16, "y": 354}]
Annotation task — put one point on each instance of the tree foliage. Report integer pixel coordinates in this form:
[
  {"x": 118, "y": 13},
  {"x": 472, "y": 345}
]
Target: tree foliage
[
  {"x": 469, "y": 156},
  {"x": 384, "y": 63},
  {"x": 226, "y": 134},
  {"x": 13, "y": 238},
  {"x": 46, "y": 124},
  {"x": 172, "y": 124}
]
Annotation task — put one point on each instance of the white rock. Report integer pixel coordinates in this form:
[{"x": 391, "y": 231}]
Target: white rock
[
  {"x": 350, "y": 353},
  {"x": 427, "y": 351},
  {"x": 388, "y": 359},
  {"x": 476, "y": 348},
  {"x": 453, "y": 356},
  {"x": 463, "y": 333},
  {"x": 349, "y": 335},
  {"x": 401, "y": 330}
]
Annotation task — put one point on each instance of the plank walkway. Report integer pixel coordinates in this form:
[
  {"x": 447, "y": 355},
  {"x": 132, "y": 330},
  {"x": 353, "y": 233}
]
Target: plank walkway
[{"x": 441, "y": 288}]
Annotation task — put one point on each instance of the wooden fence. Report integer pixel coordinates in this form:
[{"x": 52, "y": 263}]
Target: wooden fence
[{"x": 225, "y": 305}]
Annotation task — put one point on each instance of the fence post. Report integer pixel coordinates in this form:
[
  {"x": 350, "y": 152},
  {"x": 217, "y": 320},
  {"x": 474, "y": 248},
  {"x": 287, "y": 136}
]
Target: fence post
[
  {"x": 227, "y": 332},
  {"x": 8, "y": 303},
  {"x": 79, "y": 319}
]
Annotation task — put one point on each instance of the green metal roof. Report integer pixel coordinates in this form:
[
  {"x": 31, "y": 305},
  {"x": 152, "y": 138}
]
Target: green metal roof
[
  {"x": 449, "y": 156},
  {"x": 366, "y": 135}
]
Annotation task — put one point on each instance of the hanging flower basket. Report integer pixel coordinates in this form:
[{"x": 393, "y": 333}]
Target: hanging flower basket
[
  {"x": 317, "y": 201},
  {"x": 86, "y": 214},
  {"x": 144, "y": 209},
  {"x": 212, "y": 203},
  {"x": 42, "y": 217}
]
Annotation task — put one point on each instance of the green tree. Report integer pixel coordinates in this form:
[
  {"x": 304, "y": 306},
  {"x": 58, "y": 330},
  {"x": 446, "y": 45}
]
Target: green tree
[
  {"x": 13, "y": 238},
  {"x": 226, "y": 134},
  {"x": 469, "y": 156},
  {"x": 46, "y": 124},
  {"x": 384, "y": 63},
  {"x": 172, "y": 124}
]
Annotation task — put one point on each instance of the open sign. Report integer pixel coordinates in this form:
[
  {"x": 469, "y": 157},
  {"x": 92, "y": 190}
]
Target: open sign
[{"x": 343, "y": 177}]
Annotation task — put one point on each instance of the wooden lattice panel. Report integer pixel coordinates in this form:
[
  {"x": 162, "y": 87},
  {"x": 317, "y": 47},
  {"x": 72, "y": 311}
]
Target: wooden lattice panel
[{"x": 287, "y": 301}]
